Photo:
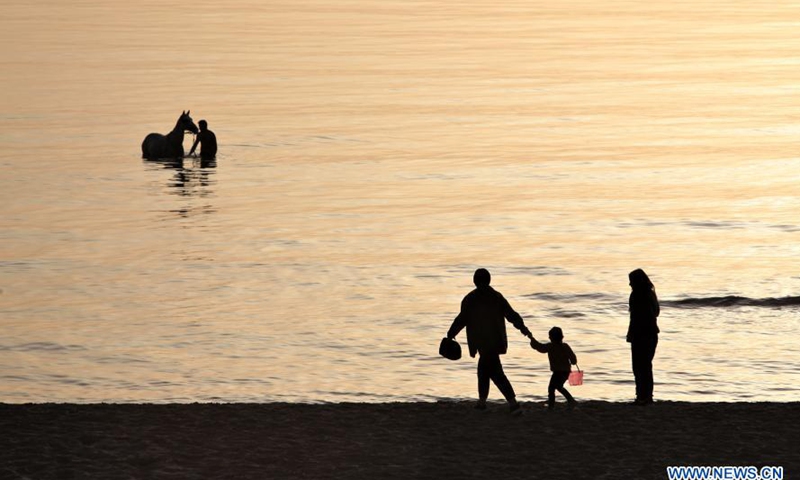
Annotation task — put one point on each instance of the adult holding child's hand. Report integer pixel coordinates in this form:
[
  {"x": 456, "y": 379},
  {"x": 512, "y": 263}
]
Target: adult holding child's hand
[{"x": 483, "y": 313}]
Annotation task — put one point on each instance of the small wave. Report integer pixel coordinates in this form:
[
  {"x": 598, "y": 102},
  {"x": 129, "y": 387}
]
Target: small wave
[
  {"x": 724, "y": 225},
  {"x": 500, "y": 271},
  {"x": 42, "y": 347},
  {"x": 557, "y": 312},
  {"x": 569, "y": 298},
  {"x": 732, "y": 301},
  {"x": 535, "y": 271}
]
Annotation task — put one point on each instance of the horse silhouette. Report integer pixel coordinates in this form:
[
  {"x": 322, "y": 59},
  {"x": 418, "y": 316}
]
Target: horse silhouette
[{"x": 156, "y": 146}]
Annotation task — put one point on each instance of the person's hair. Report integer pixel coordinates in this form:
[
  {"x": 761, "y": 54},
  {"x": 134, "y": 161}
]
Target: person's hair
[
  {"x": 202, "y": 123},
  {"x": 482, "y": 277},
  {"x": 556, "y": 335},
  {"x": 640, "y": 282}
]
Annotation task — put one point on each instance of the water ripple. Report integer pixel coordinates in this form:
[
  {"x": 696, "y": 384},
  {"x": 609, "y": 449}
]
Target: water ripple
[
  {"x": 732, "y": 301},
  {"x": 42, "y": 347}
]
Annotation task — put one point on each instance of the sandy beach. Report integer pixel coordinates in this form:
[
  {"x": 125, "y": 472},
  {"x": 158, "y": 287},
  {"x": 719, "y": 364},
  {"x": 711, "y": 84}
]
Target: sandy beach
[{"x": 399, "y": 440}]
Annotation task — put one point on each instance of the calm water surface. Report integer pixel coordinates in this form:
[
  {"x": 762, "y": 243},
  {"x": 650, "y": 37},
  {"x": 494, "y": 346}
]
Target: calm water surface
[{"x": 372, "y": 155}]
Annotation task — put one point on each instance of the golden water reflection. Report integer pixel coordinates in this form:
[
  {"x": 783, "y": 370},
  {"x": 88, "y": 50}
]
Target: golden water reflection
[{"x": 372, "y": 154}]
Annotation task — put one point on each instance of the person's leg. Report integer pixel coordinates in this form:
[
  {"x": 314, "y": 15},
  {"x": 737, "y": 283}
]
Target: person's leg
[
  {"x": 647, "y": 363},
  {"x": 642, "y": 353},
  {"x": 483, "y": 380},
  {"x": 636, "y": 364},
  {"x": 494, "y": 368},
  {"x": 499, "y": 378},
  {"x": 551, "y": 390},
  {"x": 560, "y": 378}
]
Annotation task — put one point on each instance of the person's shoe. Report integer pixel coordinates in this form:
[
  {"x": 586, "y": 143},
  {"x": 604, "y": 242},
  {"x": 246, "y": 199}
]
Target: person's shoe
[
  {"x": 481, "y": 405},
  {"x": 550, "y": 406},
  {"x": 515, "y": 409},
  {"x": 571, "y": 405},
  {"x": 641, "y": 402}
]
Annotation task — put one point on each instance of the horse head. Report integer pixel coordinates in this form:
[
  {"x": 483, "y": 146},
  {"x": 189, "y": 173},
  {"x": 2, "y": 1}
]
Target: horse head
[{"x": 186, "y": 124}]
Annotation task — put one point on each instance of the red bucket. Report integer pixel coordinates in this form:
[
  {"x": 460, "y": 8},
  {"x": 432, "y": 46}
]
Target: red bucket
[{"x": 576, "y": 378}]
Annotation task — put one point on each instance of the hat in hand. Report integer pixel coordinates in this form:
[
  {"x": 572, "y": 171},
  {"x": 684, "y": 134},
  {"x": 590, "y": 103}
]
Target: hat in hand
[{"x": 450, "y": 349}]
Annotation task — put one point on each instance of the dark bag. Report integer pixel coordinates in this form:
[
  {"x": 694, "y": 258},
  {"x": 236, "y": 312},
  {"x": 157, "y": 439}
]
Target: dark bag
[{"x": 450, "y": 349}]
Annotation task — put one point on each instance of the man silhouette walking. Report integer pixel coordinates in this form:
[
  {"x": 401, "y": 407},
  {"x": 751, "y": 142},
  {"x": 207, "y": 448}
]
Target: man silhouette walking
[{"x": 483, "y": 313}]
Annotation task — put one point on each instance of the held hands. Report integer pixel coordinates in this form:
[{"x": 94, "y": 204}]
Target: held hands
[{"x": 527, "y": 333}]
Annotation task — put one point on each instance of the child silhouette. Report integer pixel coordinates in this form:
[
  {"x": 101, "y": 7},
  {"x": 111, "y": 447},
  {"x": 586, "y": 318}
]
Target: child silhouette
[{"x": 561, "y": 359}]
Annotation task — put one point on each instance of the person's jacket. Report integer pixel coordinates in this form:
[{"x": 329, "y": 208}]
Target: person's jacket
[
  {"x": 483, "y": 313},
  {"x": 644, "y": 311},
  {"x": 560, "y": 355}
]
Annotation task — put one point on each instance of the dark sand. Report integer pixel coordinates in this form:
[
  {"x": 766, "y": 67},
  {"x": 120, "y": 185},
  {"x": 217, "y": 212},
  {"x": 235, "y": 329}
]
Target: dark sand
[{"x": 379, "y": 441}]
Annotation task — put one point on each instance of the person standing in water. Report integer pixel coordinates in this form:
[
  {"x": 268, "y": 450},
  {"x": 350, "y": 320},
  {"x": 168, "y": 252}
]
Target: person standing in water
[
  {"x": 207, "y": 141},
  {"x": 643, "y": 333},
  {"x": 483, "y": 313}
]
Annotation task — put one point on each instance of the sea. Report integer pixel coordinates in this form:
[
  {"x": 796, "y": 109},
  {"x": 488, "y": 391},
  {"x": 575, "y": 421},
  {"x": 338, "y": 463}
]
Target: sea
[{"x": 372, "y": 155}]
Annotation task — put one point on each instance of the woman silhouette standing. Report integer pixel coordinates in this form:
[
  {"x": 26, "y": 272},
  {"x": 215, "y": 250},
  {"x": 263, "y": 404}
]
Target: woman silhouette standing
[{"x": 643, "y": 333}]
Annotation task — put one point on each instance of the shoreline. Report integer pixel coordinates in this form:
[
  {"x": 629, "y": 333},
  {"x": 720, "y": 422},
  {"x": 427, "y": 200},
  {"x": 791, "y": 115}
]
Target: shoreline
[{"x": 391, "y": 440}]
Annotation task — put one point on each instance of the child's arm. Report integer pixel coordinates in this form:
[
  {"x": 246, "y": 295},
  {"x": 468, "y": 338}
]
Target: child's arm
[
  {"x": 539, "y": 347},
  {"x": 572, "y": 358}
]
